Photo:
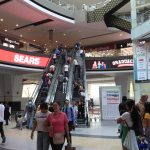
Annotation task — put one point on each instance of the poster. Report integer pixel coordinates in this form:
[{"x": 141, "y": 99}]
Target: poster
[{"x": 110, "y": 98}]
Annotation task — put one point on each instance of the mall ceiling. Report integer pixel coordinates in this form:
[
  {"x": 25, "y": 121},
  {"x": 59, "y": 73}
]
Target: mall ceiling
[{"x": 15, "y": 14}]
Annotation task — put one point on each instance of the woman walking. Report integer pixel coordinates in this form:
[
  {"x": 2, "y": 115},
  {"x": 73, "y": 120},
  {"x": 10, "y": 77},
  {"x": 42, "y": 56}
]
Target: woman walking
[
  {"x": 130, "y": 121},
  {"x": 58, "y": 127}
]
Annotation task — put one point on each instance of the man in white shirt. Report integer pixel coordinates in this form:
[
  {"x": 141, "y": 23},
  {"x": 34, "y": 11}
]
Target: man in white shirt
[{"x": 2, "y": 108}]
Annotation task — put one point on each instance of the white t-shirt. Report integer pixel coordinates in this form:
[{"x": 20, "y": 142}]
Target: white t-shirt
[
  {"x": 66, "y": 68},
  {"x": 127, "y": 117},
  {"x": 40, "y": 119},
  {"x": 2, "y": 108},
  {"x": 81, "y": 51},
  {"x": 75, "y": 62}
]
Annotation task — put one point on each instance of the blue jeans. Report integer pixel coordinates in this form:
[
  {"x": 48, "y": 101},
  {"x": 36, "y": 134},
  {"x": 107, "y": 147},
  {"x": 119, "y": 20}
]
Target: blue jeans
[
  {"x": 42, "y": 140},
  {"x": 29, "y": 121}
]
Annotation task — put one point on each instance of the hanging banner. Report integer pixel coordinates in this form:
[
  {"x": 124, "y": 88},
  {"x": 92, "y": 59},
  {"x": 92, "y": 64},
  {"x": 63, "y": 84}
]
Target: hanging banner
[{"x": 110, "y": 97}]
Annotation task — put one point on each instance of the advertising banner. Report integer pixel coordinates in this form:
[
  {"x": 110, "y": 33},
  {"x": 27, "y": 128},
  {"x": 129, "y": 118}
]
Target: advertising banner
[
  {"x": 23, "y": 59},
  {"x": 109, "y": 63},
  {"x": 110, "y": 97}
]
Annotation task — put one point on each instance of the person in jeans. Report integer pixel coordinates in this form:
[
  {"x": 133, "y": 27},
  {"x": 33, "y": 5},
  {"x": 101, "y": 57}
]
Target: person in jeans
[
  {"x": 2, "y": 108},
  {"x": 58, "y": 124},
  {"x": 42, "y": 130}
]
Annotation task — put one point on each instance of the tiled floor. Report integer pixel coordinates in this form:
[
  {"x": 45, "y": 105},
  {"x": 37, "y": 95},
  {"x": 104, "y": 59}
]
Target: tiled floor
[{"x": 84, "y": 139}]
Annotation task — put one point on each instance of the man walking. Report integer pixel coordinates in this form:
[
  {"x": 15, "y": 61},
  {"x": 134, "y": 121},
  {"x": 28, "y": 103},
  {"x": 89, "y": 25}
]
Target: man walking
[{"x": 2, "y": 108}]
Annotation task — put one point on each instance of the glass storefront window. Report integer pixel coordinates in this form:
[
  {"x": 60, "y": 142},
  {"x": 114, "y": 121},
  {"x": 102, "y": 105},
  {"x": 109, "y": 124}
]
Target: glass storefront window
[{"x": 28, "y": 90}]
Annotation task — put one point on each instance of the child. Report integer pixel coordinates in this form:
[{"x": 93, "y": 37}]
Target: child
[{"x": 19, "y": 121}]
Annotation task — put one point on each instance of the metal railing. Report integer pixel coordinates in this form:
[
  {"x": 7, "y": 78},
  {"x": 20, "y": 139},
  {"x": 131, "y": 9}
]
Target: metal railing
[
  {"x": 86, "y": 94},
  {"x": 70, "y": 81},
  {"x": 39, "y": 84},
  {"x": 84, "y": 7},
  {"x": 143, "y": 17},
  {"x": 53, "y": 87}
]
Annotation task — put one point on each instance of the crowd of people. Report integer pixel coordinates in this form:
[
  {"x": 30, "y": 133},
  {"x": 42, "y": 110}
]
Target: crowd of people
[{"x": 134, "y": 123}]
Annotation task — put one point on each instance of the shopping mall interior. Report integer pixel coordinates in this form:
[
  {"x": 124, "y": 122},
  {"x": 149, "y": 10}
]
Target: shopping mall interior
[{"x": 101, "y": 49}]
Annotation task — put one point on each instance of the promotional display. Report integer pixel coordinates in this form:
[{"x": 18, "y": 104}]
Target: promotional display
[
  {"x": 142, "y": 63},
  {"x": 110, "y": 97},
  {"x": 23, "y": 59},
  {"x": 109, "y": 63}
]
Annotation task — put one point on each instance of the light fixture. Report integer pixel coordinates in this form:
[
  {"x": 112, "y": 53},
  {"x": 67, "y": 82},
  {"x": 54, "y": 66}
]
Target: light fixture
[
  {"x": 5, "y": 30},
  {"x": 21, "y": 35},
  {"x": 17, "y": 25},
  {"x": 45, "y": 44},
  {"x": 120, "y": 34},
  {"x": 34, "y": 40},
  {"x": 64, "y": 34},
  {"x": 56, "y": 41},
  {"x": 1, "y": 19}
]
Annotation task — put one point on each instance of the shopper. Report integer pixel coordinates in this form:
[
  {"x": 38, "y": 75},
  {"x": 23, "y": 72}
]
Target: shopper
[
  {"x": 130, "y": 121},
  {"x": 65, "y": 82},
  {"x": 42, "y": 130},
  {"x": 30, "y": 108},
  {"x": 147, "y": 122},
  {"x": 1, "y": 123},
  {"x": 66, "y": 70},
  {"x": 141, "y": 104},
  {"x": 70, "y": 115},
  {"x": 60, "y": 82},
  {"x": 58, "y": 127},
  {"x": 6, "y": 113}
]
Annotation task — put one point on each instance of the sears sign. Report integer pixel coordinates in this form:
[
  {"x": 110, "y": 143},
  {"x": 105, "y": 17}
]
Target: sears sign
[{"x": 23, "y": 59}]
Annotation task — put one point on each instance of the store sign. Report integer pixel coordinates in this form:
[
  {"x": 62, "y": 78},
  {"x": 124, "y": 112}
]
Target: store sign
[
  {"x": 109, "y": 63},
  {"x": 123, "y": 63},
  {"x": 124, "y": 45},
  {"x": 11, "y": 43},
  {"x": 23, "y": 59}
]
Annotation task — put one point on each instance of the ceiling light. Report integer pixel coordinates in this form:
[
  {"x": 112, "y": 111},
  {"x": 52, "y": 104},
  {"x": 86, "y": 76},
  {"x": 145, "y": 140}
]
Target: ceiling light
[
  {"x": 56, "y": 41},
  {"x": 1, "y": 19},
  {"x": 5, "y": 30},
  {"x": 64, "y": 34},
  {"x": 21, "y": 35},
  {"x": 120, "y": 34},
  {"x": 45, "y": 44},
  {"x": 17, "y": 25},
  {"x": 34, "y": 40}
]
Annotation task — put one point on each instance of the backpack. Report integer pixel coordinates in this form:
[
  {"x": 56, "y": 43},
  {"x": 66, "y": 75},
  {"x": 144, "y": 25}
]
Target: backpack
[{"x": 30, "y": 108}]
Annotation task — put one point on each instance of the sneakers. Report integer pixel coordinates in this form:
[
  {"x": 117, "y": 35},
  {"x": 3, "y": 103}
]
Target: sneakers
[{"x": 4, "y": 139}]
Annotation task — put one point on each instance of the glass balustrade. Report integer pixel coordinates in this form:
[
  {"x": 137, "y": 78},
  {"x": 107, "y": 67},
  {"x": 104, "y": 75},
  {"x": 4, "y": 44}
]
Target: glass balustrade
[
  {"x": 84, "y": 7},
  {"x": 143, "y": 17}
]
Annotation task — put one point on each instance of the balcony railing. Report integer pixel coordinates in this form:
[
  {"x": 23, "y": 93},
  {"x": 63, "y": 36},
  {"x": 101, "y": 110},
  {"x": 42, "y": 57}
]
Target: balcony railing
[
  {"x": 143, "y": 17},
  {"x": 84, "y": 7}
]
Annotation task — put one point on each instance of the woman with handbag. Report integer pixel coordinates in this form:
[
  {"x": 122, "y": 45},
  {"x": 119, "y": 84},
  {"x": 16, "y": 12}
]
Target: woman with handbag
[
  {"x": 58, "y": 127},
  {"x": 129, "y": 120}
]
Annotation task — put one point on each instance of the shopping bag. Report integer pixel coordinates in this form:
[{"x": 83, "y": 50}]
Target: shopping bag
[{"x": 69, "y": 147}]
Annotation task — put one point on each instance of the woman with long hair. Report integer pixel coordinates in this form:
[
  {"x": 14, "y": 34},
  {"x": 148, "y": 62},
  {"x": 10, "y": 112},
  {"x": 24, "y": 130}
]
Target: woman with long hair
[
  {"x": 58, "y": 127},
  {"x": 130, "y": 120}
]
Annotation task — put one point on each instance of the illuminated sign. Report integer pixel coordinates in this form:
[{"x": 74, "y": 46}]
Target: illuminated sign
[
  {"x": 109, "y": 63},
  {"x": 23, "y": 59},
  {"x": 123, "y": 62}
]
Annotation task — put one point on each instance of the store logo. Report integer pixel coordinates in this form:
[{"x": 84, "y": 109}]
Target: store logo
[
  {"x": 123, "y": 63},
  {"x": 26, "y": 59}
]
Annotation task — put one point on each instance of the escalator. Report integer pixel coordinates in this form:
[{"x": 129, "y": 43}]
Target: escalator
[{"x": 57, "y": 94}]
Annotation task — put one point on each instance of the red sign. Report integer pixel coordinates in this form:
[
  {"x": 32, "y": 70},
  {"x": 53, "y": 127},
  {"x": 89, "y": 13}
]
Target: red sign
[{"x": 23, "y": 59}]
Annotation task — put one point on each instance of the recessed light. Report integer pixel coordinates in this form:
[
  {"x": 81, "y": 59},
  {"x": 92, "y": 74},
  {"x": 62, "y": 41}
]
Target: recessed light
[
  {"x": 24, "y": 42},
  {"x": 21, "y": 35},
  {"x": 1, "y": 19},
  {"x": 34, "y": 40},
  {"x": 45, "y": 44},
  {"x": 120, "y": 34},
  {"x": 5, "y": 30},
  {"x": 56, "y": 41},
  {"x": 64, "y": 34},
  {"x": 17, "y": 25}
]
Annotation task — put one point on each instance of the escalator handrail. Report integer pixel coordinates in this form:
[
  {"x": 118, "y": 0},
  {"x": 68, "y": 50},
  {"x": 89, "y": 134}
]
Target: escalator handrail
[
  {"x": 69, "y": 92},
  {"x": 53, "y": 87},
  {"x": 40, "y": 82}
]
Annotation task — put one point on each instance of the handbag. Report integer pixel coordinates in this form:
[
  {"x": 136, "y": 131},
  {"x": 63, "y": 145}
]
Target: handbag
[
  {"x": 58, "y": 138},
  {"x": 68, "y": 147}
]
